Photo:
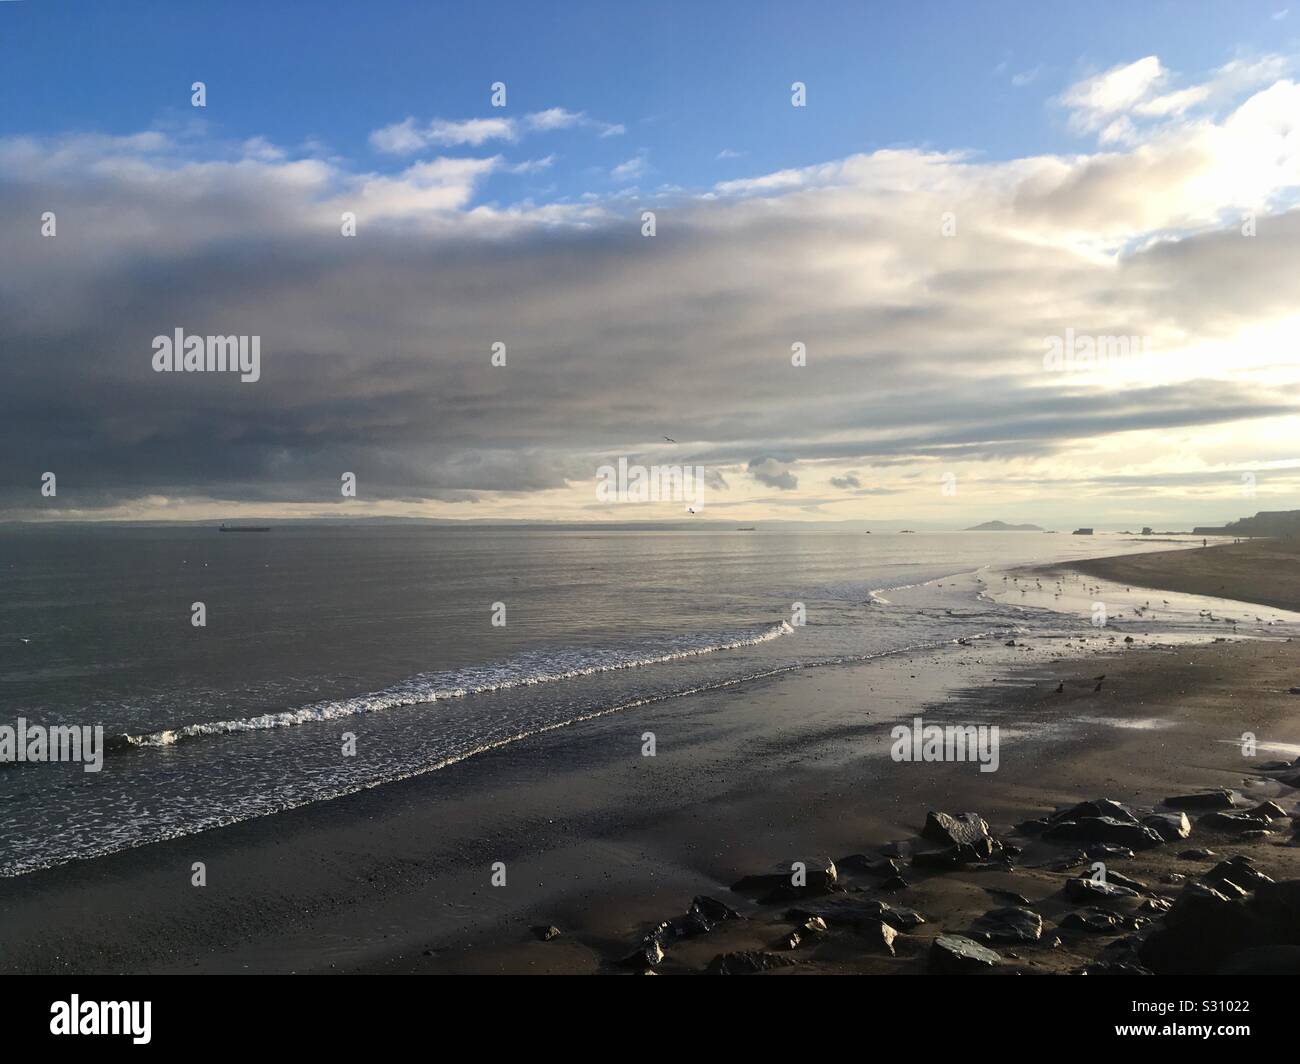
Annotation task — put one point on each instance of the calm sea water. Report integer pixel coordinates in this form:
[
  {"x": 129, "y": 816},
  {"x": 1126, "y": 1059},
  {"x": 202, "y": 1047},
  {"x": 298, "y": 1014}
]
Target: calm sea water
[{"x": 386, "y": 632}]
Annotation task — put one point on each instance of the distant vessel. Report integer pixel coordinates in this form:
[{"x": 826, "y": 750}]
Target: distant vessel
[
  {"x": 1082, "y": 532},
  {"x": 751, "y": 528},
  {"x": 903, "y": 531},
  {"x": 244, "y": 528}
]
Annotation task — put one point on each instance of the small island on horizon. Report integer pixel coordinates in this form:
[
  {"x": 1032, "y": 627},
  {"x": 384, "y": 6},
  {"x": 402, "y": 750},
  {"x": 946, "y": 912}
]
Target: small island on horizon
[{"x": 1002, "y": 526}]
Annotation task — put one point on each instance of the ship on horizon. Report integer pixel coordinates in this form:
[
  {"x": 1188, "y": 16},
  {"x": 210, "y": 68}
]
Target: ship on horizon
[{"x": 243, "y": 528}]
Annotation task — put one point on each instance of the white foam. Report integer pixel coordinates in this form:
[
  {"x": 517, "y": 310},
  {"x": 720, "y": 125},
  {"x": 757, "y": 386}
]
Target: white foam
[{"x": 523, "y": 671}]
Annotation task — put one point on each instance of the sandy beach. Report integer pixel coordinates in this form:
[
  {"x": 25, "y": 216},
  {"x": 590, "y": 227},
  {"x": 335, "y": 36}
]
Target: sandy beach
[{"x": 603, "y": 844}]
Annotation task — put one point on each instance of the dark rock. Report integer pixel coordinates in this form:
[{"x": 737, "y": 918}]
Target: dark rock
[
  {"x": 1263, "y": 960},
  {"x": 1230, "y": 890},
  {"x": 880, "y": 936},
  {"x": 545, "y": 934},
  {"x": 1269, "y": 811},
  {"x": 1278, "y": 905},
  {"x": 1273, "y": 766},
  {"x": 1238, "y": 870},
  {"x": 791, "y": 941},
  {"x": 778, "y": 885},
  {"x": 714, "y": 911},
  {"x": 958, "y": 856},
  {"x": 894, "y": 884},
  {"x": 1090, "y": 890},
  {"x": 1169, "y": 826},
  {"x": 1220, "y": 799},
  {"x": 858, "y": 912},
  {"x": 1200, "y": 932},
  {"x": 1118, "y": 879},
  {"x": 1092, "y": 919},
  {"x": 1104, "y": 829},
  {"x": 1030, "y": 828},
  {"x": 1011, "y": 924},
  {"x": 1291, "y": 779},
  {"x": 746, "y": 962},
  {"x": 646, "y": 955},
  {"x": 885, "y": 867},
  {"x": 1105, "y": 851},
  {"x": 964, "y": 829},
  {"x": 956, "y": 954},
  {"x": 814, "y": 925},
  {"x": 1100, "y": 807},
  {"x": 1197, "y": 855},
  {"x": 1233, "y": 823}
]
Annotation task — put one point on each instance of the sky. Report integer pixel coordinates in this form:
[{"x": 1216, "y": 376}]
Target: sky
[{"x": 888, "y": 243}]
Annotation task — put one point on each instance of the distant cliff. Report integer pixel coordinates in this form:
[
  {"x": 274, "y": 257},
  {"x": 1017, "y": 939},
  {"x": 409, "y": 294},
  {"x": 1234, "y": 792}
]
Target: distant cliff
[{"x": 1264, "y": 523}]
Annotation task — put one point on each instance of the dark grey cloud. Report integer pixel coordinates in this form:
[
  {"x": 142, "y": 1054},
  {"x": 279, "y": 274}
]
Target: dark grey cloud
[{"x": 774, "y": 472}]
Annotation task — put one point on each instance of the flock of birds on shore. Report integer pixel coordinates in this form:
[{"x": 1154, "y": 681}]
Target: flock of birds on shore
[{"x": 1144, "y": 612}]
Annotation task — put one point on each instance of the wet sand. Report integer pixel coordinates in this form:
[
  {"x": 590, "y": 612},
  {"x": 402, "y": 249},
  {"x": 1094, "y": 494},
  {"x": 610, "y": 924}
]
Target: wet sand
[
  {"x": 1263, "y": 571},
  {"x": 603, "y": 842}
]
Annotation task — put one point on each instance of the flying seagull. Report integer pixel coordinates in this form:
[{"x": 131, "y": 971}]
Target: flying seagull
[{"x": 670, "y": 439}]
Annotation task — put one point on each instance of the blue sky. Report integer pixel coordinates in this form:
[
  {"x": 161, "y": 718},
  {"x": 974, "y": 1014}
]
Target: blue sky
[{"x": 687, "y": 81}]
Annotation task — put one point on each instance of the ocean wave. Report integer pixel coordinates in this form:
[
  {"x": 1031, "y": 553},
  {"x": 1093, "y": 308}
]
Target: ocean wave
[{"x": 526, "y": 670}]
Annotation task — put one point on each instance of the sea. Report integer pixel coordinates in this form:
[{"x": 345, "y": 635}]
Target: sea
[{"x": 336, "y": 657}]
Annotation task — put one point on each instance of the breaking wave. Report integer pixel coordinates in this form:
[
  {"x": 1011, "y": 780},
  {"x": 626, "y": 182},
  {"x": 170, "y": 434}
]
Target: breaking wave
[{"x": 522, "y": 671}]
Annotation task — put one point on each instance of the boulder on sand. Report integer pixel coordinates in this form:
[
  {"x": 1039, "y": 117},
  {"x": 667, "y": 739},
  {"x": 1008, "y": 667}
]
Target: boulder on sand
[
  {"x": 1098, "y": 807},
  {"x": 1097, "y": 921},
  {"x": 858, "y": 912},
  {"x": 1203, "y": 929},
  {"x": 1091, "y": 890},
  {"x": 799, "y": 878},
  {"x": 1104, "y": 829},
  {"x": 957, "y": 954},
  {"x": 1218, "y": 799},
  {"x": 958, "y": 855},
  {"x": 1014, "y": 923},
  {"x": 965, "y": 829},
  {"x": 1169, "y": 826},
  {"x": 1233, "y": 823},
  {"x": 1239, "y": 870},
  {"x": 884, "y": 867}
]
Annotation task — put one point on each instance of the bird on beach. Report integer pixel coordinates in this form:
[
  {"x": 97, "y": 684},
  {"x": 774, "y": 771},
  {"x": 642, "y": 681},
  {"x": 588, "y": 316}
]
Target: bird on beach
[
  {"x": 1060, "y": 687},
  {"x": 1097, "y": 688}
]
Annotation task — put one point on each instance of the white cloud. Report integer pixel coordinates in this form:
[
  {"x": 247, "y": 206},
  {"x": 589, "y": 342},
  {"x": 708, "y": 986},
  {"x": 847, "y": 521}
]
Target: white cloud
[
  {"x": 1120, "y": 104},
  {"x": 408, "y": 136},
  {"x": 630, "y": 170}
]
